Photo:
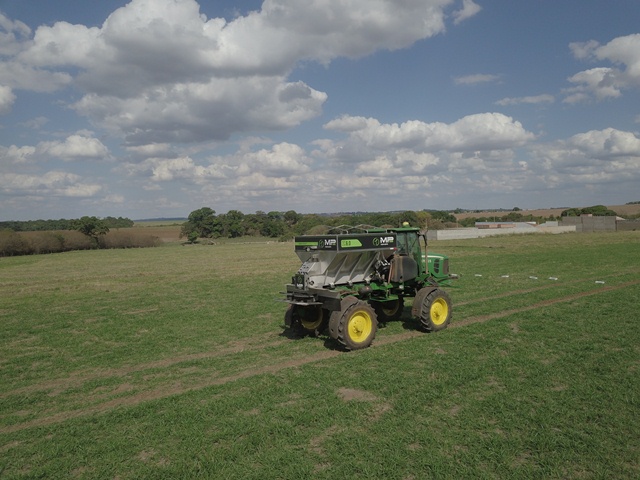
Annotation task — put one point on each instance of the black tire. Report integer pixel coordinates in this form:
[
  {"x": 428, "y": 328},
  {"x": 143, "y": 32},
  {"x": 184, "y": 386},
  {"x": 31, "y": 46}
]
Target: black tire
[
  {"x": 388, "y": 311},
  {"x": 311, "y": 320},
  {"x": 435, "y": 310},
  {"x": 334, "y": 319},
  {"x": 357, "y": 326}
]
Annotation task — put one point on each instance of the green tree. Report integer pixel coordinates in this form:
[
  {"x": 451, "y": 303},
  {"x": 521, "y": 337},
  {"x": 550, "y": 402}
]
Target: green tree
[
  {"x": 443, "y": 216},
  {"x": 599, "y": 210},
  {"x": 202, "y": 222},
  {"x": 92, "y": 227},
  {"x": 291, "y": 217},
  {"x": 233, "y": 223},
  {"x": 411, "y": 217},
  {"x": 572, "y": 212}
]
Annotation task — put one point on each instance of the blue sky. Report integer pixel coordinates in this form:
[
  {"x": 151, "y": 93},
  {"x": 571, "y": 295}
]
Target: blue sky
[{"x": 154, "y": 108}]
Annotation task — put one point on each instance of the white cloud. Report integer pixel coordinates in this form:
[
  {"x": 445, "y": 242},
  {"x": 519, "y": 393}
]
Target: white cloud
[
  {"x": 468, "y": 10},
  {"x": 281, "y": 160},
  {"x": 607, "y": 143},
  {"x": 20, "y": 76},
  {"x": 75, "y": 147},
  {"x": 178, "y": 168},
  {"x": 485, "y": 131},
  {"x": 53, "y": 183},
  {"x": 17, "y": 155},
  {"x": 583, "y": 50},
  {"x": 599, "y": 82},
  {"x": 606, "y": 82},
  {"x": 160, "y": 71},
  {"x": 6, "y": 100},
  {"x": 12, "y": 35},
  {"x": 476, "y": 79},
  {"x": 594, "y": 157},
  {"x": 402, "y": 164},
  {"x": 78, "y": 146},
  {"x": 531, "y": 100}
]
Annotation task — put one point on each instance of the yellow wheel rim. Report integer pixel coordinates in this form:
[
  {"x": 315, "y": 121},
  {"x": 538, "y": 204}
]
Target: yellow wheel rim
[
  {"x": 360, "y": 326},
  {"x": 391, "y": 311},
  {"x": 439, "y": 311},
  {"x": 312, "y": 323}
]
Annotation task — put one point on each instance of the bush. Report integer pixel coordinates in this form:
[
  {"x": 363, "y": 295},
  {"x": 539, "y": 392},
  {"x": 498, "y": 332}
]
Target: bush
[
  {"x": 29, "y": 243},
  {"x": 128, "y": 239},
  {"x": 46, "y": 242},
  {"x": 74, "y": 240},
  {"x": 12, "y": 243}
]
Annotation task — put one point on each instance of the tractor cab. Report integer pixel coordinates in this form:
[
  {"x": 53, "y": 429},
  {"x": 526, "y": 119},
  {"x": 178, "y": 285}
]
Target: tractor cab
[
  {"x": 408, "y": 243},
  {"x": 412, "y": 243}
]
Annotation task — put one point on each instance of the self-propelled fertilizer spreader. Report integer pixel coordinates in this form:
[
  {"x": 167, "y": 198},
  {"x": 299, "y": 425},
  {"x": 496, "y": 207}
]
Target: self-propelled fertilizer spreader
[{"x": 351, "y": 280}]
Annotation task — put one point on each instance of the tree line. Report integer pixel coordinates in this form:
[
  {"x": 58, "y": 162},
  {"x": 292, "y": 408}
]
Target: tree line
[
  {"x": 205, "y": 223},
  {"x": 61, "y": 224}
]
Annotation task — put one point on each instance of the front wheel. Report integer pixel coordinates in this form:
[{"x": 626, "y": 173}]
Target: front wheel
[
  {"x": 357, "y": 326},
  {"x": 435, "y": 310}
]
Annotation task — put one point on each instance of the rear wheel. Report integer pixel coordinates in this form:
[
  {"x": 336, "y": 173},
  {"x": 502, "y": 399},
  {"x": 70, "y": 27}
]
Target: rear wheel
[
  {"x": 387, "y": 311},
  {"x": 435, "y": 311},
  {"x": 357, "y": 326},
  {"x": 306, "y": 320}
]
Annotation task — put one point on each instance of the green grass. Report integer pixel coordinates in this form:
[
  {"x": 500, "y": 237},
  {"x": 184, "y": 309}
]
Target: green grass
[{"x": 171, "y": 363}]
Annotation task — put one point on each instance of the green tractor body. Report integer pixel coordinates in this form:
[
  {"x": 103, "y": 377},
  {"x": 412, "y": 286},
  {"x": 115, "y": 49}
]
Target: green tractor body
[{"x": 350, "y": 281}]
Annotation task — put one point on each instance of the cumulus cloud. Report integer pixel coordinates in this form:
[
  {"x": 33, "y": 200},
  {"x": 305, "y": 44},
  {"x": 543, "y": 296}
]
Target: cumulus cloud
[
  {"x": 53, "y": 183},
  {"x": 17, "y": 155},
  {"x": 160, "y": 71},
  {"x": 468, "y": 10},
  {"x": 484, "y": 153},
  {"x": 596, "y": 156},
  {"x": 6, "y": 100},
  {"x": 20, "y": 76},
  {"x": 484, "y": 131},
  {"x": 199, "y": 112},
  {"x": 610, "y": 81},
  {"x": 281, "y": 160},
  {"x": 13, "y": 34},
  {"x": 75, "y": 147}
]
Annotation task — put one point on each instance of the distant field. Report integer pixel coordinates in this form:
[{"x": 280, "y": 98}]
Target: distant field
[
  {"x": 159, "y": 223},
  {"x": 166, "y": 233},
  {"x": 619, "y": 209},
  {"x": 171, "y": 362}
]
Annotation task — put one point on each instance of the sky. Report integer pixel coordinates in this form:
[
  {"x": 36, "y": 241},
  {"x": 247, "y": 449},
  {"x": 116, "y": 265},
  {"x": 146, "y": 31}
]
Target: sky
[{"x": 155, "y": 108}]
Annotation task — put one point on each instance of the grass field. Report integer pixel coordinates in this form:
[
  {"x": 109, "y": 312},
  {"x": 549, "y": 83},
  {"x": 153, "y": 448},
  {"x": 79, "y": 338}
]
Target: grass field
[{"x": 171, "y": 362}]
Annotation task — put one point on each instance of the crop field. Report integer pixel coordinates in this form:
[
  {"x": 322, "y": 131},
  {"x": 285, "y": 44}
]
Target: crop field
[{"x": 171, "y": 362}]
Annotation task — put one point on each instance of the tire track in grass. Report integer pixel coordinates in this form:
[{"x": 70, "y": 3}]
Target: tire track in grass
[
  {"x": 545, "y": 303},
  {"x": 505, "y": 313},
  {"x": 543, "y": 287},
  {"x": 168, "y": 391},
  {"x": 281, "y": 364},
  {"x": 77, "y": 379}
]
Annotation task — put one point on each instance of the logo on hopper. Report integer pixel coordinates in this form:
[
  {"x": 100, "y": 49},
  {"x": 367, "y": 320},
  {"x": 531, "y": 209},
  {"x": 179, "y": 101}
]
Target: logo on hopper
[
  {"x": 327, "y": 243},
  {"x": 382, "y": 241}
]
